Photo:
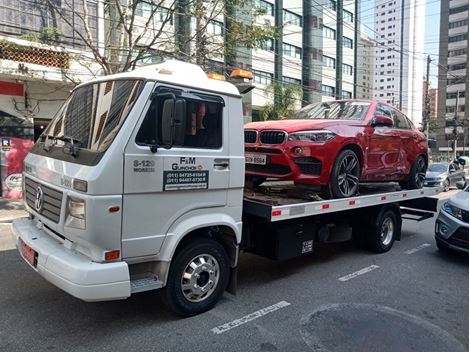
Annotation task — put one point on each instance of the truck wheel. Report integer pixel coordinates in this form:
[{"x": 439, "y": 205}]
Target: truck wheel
[
  {"x": 198, "y": 277},
  {"x": 383, "y": 232}
]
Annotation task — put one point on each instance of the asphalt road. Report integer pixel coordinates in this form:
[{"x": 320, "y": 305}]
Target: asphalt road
[{"x": 340, "y": 298}]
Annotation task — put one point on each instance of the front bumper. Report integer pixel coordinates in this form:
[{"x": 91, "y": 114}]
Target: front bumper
[
  {"x": 70, "y": 270},
  {"x": 433, "y": 183},
  {"x": 451, "y": 232}
]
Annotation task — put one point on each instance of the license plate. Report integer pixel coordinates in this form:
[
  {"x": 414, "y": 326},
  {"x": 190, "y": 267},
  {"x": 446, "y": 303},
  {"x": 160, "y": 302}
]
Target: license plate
[
  {"x": 29, "y": 254},
  {"x": 259, "y": 159}
]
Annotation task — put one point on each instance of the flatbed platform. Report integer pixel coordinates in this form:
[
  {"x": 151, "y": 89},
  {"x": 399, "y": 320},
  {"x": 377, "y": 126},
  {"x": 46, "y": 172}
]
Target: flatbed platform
[{"x": 283, "y": 201}]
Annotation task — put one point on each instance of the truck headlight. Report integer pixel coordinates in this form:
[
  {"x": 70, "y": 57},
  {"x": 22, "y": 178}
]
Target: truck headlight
[
  {"x": 76, "y": 213},
  {"x": 452, "y": 210},
  {"x": 317, "y": 136}
]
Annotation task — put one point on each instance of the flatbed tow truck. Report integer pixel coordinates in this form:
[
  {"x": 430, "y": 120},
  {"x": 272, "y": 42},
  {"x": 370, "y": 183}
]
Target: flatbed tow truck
[{"x": 138, "y": 185}]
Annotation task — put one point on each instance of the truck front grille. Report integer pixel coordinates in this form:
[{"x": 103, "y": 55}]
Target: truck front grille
[
  {"x": 272, "y": 137},
  {"x": 52, "y": 200}
]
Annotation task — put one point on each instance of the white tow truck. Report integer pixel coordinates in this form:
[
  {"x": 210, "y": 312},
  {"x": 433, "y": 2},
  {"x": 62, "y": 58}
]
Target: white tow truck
[{"x": 138, "y": 184}]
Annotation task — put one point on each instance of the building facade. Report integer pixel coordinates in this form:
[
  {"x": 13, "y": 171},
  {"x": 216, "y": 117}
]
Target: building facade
[
  {"x": 365, "y": 67},
  {"x": 453, "y": 107},
  {"x": 398, "y": 56}
]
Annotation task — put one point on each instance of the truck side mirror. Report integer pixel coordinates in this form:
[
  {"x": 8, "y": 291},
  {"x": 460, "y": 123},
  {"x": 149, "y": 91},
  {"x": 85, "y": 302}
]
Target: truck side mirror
[
  {"x": 381, "y": 120},
  {"x": 167, "y": 122}
]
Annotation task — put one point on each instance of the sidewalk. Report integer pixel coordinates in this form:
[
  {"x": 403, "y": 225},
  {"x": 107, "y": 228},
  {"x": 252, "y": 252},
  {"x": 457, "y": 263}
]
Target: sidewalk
[{"x": 11, "y": 209}]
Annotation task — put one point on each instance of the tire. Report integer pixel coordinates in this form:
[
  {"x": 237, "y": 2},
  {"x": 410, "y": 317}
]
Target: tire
[
  {"x": 417, "y": 175},
  {"x": 186, "y": 296},
  {"x": 344, "y": 180},
  {"x": 381, "y": 234},
  {"x": 446, "y": 185}
]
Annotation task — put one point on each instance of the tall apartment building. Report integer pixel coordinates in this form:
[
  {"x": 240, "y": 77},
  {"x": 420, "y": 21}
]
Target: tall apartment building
[
  {"x": 453, "y": 107},
  {"x": 398, "y": 71},
  {"x": 365, "y": 67},
  {"x": 319, "y": 50}
]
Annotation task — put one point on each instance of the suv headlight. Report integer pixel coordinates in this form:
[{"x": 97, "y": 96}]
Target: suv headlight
[
  {"x": 453, "y": 210},
  {"x": 76, "y": 213},
  {"x": 316, "y": 136}
]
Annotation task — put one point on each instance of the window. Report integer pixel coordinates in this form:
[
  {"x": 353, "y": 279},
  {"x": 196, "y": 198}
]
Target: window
[
  {"x": 399, "y": 120},
  {"x": 292, "y": 18},
  {"x": 347, "y": 16},
  {"x": 458, "y": 23},
  {"x": 383, "y": 110},
  {"x": 290, "y": 80},
  {"x": 458, "y": 38},
  {"x": 328, "y": 61},
  {"x": 455, "y": 67},
  {"x": 266, "y": 6},
  {"x": 329, "y": 32},
  {"x": 454, "y": 95},
  {"x": 331, "y": 4},
  {"x": 261, "y": 77},
  {"x": 346, "y": 95},
  {"x": 145, "y": 9},
  {"x": 328, "y": 90},
  {"x": 197, "y": 120},
  {"x": 291, "y": 50},
  {"x": 347, "y": 43},
  {"x": 458, "y": 10},
  {"x": 457, "y": 52},
  {"x": 347, "y": 69},
  {"x": 215, "y": 28},
  {"x": 268, "y": 45}
]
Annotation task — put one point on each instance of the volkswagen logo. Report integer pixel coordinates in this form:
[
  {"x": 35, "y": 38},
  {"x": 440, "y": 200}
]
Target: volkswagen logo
[{"x": 39, "y": 198}]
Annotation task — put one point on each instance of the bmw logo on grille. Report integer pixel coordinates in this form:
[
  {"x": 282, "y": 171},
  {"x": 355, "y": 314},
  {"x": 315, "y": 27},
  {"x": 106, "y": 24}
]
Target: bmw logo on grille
[{"x": 39, "y": 198}]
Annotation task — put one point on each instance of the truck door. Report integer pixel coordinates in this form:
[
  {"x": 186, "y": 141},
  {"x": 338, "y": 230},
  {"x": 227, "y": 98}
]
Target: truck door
[{"x": 172, "y": 168}]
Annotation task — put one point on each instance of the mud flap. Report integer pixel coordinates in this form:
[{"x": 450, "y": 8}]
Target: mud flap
[{"x": 233, "y": 281}]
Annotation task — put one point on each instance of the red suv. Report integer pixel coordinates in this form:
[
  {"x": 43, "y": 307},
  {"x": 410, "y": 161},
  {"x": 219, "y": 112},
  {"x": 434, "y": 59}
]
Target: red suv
[{"x": 335, "y": 145}]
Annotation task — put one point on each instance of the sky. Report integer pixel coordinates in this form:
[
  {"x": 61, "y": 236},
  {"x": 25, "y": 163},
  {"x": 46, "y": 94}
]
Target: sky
[{"x": 431, "y": 36}]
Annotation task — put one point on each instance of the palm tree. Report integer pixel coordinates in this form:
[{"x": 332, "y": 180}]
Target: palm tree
[{"x": 284, "y": 101}]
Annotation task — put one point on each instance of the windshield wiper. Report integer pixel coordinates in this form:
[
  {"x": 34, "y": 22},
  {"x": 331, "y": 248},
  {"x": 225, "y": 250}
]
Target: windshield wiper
[{"x": 74, "y": 143}]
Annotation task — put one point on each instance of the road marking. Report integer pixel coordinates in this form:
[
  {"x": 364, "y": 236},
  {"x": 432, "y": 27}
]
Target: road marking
[
  {"x": 359, "y": 272},
  {"x": 247, "y": 318},
  {"x": 414, "y": 250}
]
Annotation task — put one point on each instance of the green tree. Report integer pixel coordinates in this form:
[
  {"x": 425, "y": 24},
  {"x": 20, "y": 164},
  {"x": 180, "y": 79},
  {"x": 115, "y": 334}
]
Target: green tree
[{"x": 288, "y": 96}]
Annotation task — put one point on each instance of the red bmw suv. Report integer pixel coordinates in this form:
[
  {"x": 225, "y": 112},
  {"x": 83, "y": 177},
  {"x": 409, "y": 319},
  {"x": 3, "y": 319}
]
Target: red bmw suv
[{"x": 337, "y": 144}]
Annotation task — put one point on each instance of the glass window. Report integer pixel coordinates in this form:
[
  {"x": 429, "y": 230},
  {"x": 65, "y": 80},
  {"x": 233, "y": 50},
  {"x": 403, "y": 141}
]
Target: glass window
[
  {"x": 268, "y": 44},
  {"x": 347, "y": 16},
  {"x": 197, "y": 122},
  {"x": 328, "y": 61},
  {"x": 331, "y": 4},
  {"x": 328, "y": 90},
  {"x": 291, "y": 50},
  {"x": 329, "y": 32},
  {"x": 290, "y": 80},
  {"x": 399, "y": 120},
  {"x": 261, "y": 77},
  {"x": 145, "y": 9},
  {"x": 458, "y": 38},
  {"x": 215, "y": 28},
  {"x": 266, "y": 6},
  {"x": 383, "y": 110},
  {"x": 292, "y": 18},
  {"x": 346, "y": 95},
  {"x": 458, "y": 9},
  {"x": 347, "y": 43},
  {"x": 333, "y": 110},
  {"x": 347, "y": 69},
  {"x": 458, "y": 23}
]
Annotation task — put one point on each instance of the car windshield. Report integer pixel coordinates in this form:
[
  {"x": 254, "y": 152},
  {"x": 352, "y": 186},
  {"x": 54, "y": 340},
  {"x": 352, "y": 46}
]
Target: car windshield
[
  {"x": 334, "y": 110},
  {"x": 437, "y": 168},
  {"x": 89, "y": 119}
]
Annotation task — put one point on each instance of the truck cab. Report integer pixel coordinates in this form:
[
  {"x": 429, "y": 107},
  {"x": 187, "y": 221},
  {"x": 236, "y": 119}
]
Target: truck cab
[{"x": 134, "y": 169}]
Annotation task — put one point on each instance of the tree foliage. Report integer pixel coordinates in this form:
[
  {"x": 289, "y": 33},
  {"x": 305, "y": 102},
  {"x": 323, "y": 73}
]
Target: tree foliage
[{"x": 285, "y": 98}]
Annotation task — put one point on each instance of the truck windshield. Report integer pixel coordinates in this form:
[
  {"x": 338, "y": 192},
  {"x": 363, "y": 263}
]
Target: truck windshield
[
  {"x": 335, "y": 110},
  {"x": 87, "y": 123}
]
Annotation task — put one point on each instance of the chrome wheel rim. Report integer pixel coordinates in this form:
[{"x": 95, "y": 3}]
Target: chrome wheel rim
[
  {"x": 386, "y": 232},
  {"x": 200, "y": 278},
  {"x": 420, "y": 172},
  {"x": 348, "y": 176}
]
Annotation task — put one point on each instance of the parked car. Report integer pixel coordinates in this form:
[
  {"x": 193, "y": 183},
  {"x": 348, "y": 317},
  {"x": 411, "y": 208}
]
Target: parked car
[
  {"x": 444, "y": 174},
  {"x": 335, "y": 145},
  {"x": 452, "y": 222}
]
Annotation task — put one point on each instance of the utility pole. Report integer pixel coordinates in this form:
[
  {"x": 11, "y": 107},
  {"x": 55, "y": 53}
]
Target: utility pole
[
  {"x": 427, "y": 112},
  {"x": 456, "y": 121}
]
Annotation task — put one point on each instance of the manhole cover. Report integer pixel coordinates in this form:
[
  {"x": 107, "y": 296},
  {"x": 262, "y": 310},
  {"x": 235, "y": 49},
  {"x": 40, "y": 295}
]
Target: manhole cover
[{"x": 366, "y": 327}]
